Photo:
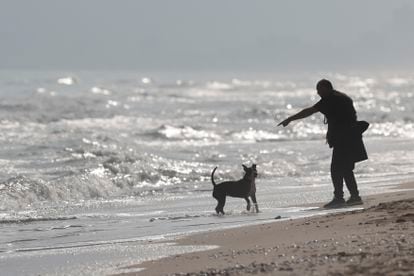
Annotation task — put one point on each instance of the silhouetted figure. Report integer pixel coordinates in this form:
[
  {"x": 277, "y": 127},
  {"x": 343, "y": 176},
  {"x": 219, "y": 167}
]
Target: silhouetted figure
[
  {"x": 244, "y": 188},
  {"x": 344, "y": 136}
]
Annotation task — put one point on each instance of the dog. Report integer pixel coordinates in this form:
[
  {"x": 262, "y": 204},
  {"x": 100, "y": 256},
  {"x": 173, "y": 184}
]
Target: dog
[{"x": 243, "y": 188}]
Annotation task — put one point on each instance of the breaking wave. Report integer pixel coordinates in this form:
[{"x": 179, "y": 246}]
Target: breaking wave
[{"x": 183, "y": 133}]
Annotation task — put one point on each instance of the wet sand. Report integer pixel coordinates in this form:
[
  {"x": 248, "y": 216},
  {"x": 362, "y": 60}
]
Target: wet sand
[{"x": 377, "y": 240}]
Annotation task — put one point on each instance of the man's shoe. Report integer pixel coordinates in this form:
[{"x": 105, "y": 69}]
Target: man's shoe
[
  {"x": 335, "y": 203},
  {"x": 354, "y": 200}
]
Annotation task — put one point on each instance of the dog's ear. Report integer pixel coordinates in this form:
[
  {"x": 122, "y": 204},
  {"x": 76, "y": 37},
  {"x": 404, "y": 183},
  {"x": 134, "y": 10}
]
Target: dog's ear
[
  {"x": 254, "y": 166},
  {"x": 244, "y": 167}
]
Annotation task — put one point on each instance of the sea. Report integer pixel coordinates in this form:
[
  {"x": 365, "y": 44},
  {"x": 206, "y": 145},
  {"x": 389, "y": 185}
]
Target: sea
[{"x": 101, "y": 170}]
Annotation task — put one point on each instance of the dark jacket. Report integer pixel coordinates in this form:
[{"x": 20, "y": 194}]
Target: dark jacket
[{"x": 344, "y": 131}]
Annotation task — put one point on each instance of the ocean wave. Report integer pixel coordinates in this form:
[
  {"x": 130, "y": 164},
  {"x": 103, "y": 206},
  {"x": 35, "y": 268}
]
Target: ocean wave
[
  {"x": 258, "y": 136},
  {"x": 119, "y": 122},
  {"x": 236, "y": 84},
  {"x": 101, "y": 91},
  {"x": 22, "y": 192},
  {"x": 187, "y": 133},
  {"x": 183, "y": 133},
  {"x": 68, "y": 80},
  {"x": 116, "y": 122},
  {"x": 216, "y": 85},
  {"x": 400, "y": 82},
  {"x": 110, "y": 175}
]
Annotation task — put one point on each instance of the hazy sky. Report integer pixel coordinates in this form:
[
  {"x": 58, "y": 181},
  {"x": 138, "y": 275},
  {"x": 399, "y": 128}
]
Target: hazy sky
[{"x": 207, "y": 35}]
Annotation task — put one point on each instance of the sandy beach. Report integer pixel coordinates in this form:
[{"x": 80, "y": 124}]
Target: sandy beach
[{"x": 375, "y": 240}]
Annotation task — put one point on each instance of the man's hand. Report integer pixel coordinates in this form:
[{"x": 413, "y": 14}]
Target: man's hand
[
  {"x": 284, "y": 123},
  {"x": 300, "y": 115}
]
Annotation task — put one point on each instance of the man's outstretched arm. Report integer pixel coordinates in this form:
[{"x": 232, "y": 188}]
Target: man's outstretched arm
[{"x": 300, "y": 115}]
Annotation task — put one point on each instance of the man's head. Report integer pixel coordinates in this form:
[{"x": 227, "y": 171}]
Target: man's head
[{"x": 324, "y": 88}]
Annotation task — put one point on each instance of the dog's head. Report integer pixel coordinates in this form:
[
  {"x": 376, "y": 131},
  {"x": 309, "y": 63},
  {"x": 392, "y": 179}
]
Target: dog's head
[{"x": 251, "y": 171}]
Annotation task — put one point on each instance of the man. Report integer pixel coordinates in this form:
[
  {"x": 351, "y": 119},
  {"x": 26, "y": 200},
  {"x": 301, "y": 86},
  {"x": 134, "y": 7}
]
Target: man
[{"x": 344, "y": 136}]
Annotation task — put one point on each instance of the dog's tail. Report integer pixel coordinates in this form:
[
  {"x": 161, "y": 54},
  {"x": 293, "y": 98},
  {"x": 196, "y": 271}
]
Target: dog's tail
[{"x": 212, "y": 176}]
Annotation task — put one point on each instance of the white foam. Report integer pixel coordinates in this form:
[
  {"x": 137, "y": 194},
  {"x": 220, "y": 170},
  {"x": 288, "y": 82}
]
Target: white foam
[
  {"x": 186, "y": 132},
  {"x": 66, "y": 80},
  {"x": 100, "y": 91}
]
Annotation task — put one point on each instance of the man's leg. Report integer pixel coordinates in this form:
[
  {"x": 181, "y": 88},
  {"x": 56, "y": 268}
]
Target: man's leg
[
  {"x": 351, "y": 183},
  {"x": 352, "y": 186},
  {"x": 337, "y": 176}
]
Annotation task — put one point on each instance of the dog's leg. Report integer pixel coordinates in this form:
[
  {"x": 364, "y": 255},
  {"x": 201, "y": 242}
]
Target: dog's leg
[
  {"x": 222, "y": 202},
  {"x": 248, "y": 203},
  {"x": 218, "y": 201},
  {"x": 256, "y": 206},
  {"x": 218, "y": 208}
]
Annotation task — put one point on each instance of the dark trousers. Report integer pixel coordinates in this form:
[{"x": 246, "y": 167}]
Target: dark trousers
[{"x": 342, "y": 169}]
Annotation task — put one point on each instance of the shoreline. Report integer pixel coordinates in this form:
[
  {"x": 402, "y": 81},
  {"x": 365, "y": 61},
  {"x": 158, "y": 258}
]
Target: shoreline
[{"x": 349, "y": 242}]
